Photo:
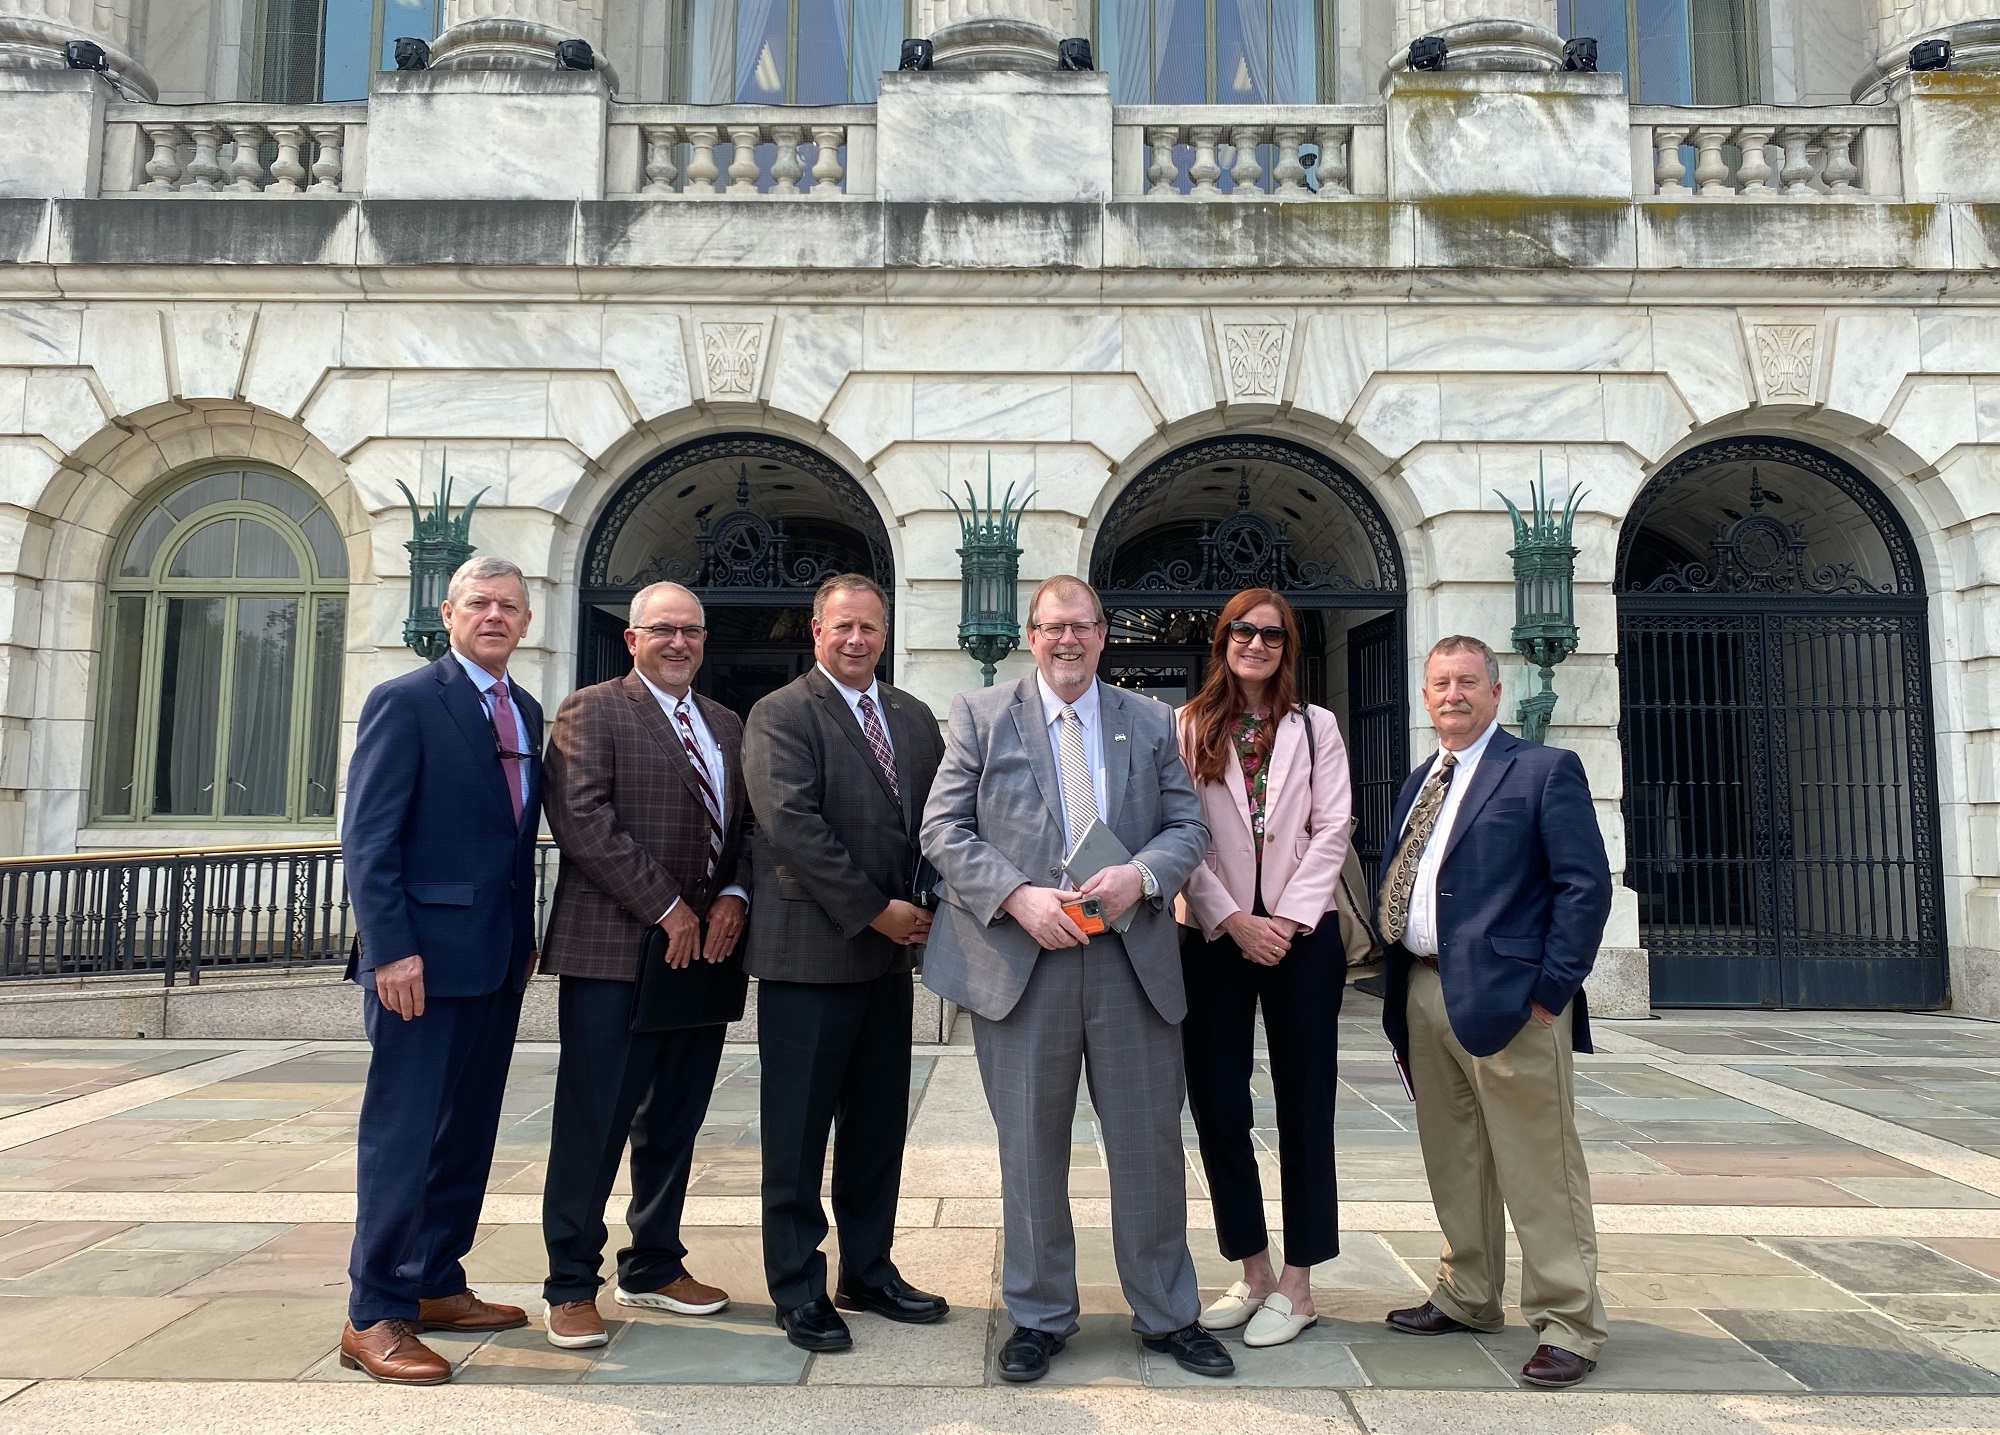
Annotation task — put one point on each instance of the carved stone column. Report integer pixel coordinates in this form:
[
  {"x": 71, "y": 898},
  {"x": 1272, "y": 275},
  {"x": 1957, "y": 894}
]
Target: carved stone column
[
  {"x": 1482, "y": 34},
  {"x": 1972, "y": 26},
  {"x": 33, "y": 33},
  {"x": 513, "y": 34},
  {"x": 997, "y": 34}
]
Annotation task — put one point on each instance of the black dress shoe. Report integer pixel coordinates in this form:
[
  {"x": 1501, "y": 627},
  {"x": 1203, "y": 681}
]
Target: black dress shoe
[
  {"x": 1195, "y": 1350},
  {"x": 816, "y": 1325},
  {"x": 1026, "y": 1354},
  {"x": 894, "y": 1299},
  {"x": 1554, "y": 1368},
  {"x": 1425, "y": 1319}
]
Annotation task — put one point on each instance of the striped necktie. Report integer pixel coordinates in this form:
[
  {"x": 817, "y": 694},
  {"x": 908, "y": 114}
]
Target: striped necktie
[
  {"x": 878, "y": 740},
  {"x": 1079, "y": 790},
  {"x": 704, "y": 780}
]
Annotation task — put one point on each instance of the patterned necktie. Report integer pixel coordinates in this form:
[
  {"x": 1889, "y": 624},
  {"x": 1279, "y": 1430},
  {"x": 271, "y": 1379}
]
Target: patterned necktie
[
  {"x": 506, "y": 734},
  {"x": 871, "y": 728},
  {"x": 1079, "y": 792},
  {"x": 704, "y": 780},
  {"x": 1393, "y": 914}
]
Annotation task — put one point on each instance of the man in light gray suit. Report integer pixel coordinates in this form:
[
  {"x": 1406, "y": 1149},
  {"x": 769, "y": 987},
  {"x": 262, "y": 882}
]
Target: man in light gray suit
[{"x": 1027, "y": 768}]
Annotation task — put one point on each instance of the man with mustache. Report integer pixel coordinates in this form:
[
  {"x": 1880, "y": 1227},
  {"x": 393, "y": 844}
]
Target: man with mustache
[
  {"x": 1493, "y": 904},
  {"x": 1030, "y": 767}
]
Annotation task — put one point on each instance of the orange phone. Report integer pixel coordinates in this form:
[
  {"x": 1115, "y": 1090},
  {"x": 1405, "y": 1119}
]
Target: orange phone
[{"x": 1088, "y": 914}]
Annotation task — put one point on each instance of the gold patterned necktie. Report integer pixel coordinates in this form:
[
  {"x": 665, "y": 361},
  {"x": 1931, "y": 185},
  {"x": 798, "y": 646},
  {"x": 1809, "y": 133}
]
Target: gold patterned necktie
[
  {"x": 1393, "y": 913},
  {"x": 1079, "y": 792}
]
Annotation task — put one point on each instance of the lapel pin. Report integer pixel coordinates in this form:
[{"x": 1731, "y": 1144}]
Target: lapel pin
[{"x": 1118, "y": 737}]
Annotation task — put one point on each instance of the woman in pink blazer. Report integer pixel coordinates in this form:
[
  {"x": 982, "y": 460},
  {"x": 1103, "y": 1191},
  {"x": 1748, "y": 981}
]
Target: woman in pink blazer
[{"x": 1272, "y": 774}]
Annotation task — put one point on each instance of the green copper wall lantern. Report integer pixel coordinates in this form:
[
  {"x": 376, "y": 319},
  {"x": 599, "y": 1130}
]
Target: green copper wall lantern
[
  {"x": 438, "y": 544},
  {"x": 989, "y": 626},
  {"x": 1544, "y": 597}
]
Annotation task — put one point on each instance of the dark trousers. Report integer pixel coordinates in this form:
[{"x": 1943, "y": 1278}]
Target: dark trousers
[
  {"x": 429, "y": 1115},
  {"x": 615, "y": 1085},
  {"x": 834, "y": 1056},
  {"x": 1301, "y": 999}
]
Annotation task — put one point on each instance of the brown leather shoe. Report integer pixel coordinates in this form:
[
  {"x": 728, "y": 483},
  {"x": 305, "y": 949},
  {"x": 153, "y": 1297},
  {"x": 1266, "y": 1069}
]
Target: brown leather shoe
[
  {"x": 1425, "y": 1319},
  {"x": 466, "y": 1311},
  {"x": 1554, "y": 1368},
  {"x": 686, "y": 1296},
  {"x": 575, "y": 1325},
  {"x": 390, "y": 1352}
]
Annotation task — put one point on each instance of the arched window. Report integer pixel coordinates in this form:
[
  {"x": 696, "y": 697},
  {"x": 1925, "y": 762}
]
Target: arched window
[
  {"x": 1672, "y": 52},
  {"x": 224, "y": 626},
  {"x": 792, "y": 52},
  {"x": 1215, "y": 52}
]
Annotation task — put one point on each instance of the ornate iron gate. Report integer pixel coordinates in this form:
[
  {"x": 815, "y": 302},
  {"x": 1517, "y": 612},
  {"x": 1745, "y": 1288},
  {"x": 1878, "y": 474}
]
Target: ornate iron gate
[{"x": 1780, "y": 806}]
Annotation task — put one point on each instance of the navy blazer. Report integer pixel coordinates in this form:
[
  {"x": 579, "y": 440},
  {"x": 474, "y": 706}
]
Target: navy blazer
[
  {"x": 436, "y": 865},
  {"x": 1523, "y": 895}
]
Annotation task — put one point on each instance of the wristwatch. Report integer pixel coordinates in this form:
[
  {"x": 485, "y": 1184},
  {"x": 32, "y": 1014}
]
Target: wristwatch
[{"x": 1149, "y": 885}]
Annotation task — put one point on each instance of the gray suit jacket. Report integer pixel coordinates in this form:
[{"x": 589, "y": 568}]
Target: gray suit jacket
[
  {"x": 995, "y": 821},
  {"x": 831, "y": 846}
]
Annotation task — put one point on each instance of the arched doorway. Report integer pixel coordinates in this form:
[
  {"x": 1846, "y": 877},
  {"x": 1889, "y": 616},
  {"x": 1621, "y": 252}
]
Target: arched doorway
[
  {"x": 750, "y": 522},
  {"x": 1226, "y": 514},
  {"x": 1780, "y": 796}
]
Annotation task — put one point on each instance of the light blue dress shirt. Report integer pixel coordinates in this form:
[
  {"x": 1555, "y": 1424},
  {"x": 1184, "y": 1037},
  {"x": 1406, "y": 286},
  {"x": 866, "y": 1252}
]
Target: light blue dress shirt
[
  {"x": 1090, "y": 716},
  {"x": 873, "y": 692},
  {"x": 484, "y": 682}
]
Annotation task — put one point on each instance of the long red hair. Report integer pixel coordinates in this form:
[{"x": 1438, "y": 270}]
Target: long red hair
[{"x": 1213, "y": 711}]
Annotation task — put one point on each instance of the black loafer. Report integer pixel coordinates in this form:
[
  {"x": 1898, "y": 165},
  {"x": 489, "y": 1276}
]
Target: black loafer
[
  {"x": 816, "y": 1325},
  {"x": 894, "y": 1299},
  {"x": 1026, "y": 1354},
  {"x": 1194, "y": 1350}
]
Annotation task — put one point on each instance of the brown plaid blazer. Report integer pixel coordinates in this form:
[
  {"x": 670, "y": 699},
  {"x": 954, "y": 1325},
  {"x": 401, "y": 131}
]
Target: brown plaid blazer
[{"x": 622, "y": 802}]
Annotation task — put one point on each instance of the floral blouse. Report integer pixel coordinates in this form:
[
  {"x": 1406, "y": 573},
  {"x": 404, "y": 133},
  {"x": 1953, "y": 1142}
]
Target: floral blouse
[{"x": 1250, "y": 753}]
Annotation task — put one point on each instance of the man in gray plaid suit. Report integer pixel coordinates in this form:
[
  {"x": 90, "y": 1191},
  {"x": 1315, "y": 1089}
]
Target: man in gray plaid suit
[
  {"x": 1027, "y": 768},
  {"x": 645, "y": 796}
]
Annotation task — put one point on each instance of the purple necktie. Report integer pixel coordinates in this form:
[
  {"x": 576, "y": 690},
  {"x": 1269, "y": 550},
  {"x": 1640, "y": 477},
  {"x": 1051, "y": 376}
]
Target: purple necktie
[
  {"x": 871, "y": 727},
  {"x": 505, "y": 735}
]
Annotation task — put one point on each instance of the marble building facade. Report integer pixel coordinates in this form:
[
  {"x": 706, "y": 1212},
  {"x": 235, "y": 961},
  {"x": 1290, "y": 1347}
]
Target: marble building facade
[{"x": 550, "y": 283}]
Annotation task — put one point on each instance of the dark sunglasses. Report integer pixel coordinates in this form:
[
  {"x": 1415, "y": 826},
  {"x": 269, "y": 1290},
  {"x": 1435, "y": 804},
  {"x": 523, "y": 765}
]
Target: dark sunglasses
[{"x": 1242, "y": 633}]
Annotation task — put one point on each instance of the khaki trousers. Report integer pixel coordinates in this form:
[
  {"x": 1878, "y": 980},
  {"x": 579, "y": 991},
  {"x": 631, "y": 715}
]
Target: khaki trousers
[{"x": 1500, "y": 1131}]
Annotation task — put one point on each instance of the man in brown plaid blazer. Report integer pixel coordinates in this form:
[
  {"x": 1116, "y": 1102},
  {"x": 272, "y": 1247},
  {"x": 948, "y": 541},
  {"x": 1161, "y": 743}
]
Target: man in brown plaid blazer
[{"x": 645, "y": 797}]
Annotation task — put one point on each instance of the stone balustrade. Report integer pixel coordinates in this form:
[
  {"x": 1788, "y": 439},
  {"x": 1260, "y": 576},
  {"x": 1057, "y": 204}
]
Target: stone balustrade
[
  {"x": 1767, "y": 152},
  {"x": 232, "y": 150},
  {"x": 740, "y": 151},
  {"x": 1247, "y": 151}
]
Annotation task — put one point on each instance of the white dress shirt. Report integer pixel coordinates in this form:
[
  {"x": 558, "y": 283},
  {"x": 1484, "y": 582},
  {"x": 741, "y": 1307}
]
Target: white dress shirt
[
  {"x": 483, "y": 683},
  {"x": 711, "y": 756},
  {"x": 1421, "y": 936},
  {"x": 873, "y": 692},
  {"x": 1090, "y": 716}
]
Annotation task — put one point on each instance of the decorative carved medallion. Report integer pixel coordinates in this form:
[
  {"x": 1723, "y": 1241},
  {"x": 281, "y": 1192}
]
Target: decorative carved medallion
[
  {"x": 730, "y": 353},
  {"x": 1785, "y": 354},
  {"x": 1256, "y": 354}
]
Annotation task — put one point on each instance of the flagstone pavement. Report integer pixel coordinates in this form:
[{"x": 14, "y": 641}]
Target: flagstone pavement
[{"x": 1800, "y": 1219}]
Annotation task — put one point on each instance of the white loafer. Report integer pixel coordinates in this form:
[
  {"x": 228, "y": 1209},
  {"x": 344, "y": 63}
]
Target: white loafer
[
  {"x": 1236, "y": 1306},
  {"x": 1275, "y": 1323}
]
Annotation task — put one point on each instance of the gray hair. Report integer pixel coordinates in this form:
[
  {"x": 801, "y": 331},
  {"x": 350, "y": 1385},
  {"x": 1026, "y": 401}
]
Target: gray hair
[
  {"x": 1460, "y": 643},
  {"x": 653, "y": 590},
  {"x": 474, "y": 570},
  {"x": 1063, "y": 585},
  {"x": 848, "y": 583}
]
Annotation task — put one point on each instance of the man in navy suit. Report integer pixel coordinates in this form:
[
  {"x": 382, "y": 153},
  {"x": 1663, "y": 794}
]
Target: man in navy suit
[
  {"x": 443, "y": 802},
  {"x": 1493, "y": 904}
]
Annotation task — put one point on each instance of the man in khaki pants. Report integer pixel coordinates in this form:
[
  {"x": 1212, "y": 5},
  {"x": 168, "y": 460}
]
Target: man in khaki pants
[{"x": 1493, "y": 904}]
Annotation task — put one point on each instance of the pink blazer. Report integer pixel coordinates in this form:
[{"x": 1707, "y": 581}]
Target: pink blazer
[{"x": 1307, "y": 802}]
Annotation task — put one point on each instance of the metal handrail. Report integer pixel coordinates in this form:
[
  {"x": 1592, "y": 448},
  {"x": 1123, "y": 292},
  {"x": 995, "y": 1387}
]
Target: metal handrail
[{"x": 180, "y": 912}]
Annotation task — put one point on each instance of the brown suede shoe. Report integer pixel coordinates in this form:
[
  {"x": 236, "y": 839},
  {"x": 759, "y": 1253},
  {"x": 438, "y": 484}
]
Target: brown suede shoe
[
  {"x": 575, "y": 1325},
  {"x": 466, "y": 1311},
  {"x": 1554, "y": 1368},
  {"x": 390, "y": 1352},
  {"x": 686, "y": 1296}
]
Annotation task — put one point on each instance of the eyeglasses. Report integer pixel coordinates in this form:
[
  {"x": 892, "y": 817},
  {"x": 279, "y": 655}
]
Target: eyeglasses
[
  {"x": 689, "y": 632},
  {"x": 1242, "y": 633},
  {"x": 1055, "y": 632}
]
